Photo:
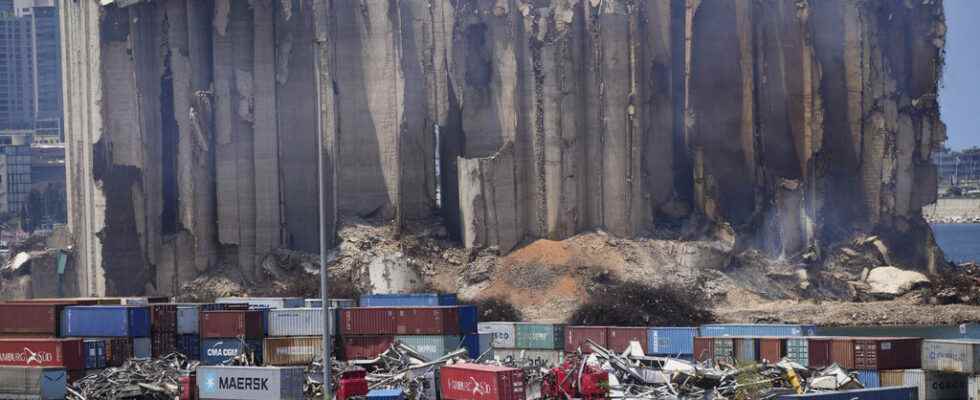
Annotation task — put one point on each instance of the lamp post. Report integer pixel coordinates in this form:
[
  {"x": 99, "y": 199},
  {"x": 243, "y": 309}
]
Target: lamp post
[{"x": 324, "y": 304}]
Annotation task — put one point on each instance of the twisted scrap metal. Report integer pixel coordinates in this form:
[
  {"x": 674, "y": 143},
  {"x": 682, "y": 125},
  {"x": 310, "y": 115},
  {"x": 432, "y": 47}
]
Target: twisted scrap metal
[{"x": 151, "y": 379}]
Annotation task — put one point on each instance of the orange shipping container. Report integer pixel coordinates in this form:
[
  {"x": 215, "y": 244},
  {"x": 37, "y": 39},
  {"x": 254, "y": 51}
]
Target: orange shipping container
[
  {"x": 842, "y": 352},
  {"x": 297, "y": 350}
]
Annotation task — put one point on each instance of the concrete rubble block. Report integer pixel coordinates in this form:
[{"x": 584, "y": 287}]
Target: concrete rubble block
[
  {"x": 391, "y": 273},
  {"x": 891, "y": 281}
]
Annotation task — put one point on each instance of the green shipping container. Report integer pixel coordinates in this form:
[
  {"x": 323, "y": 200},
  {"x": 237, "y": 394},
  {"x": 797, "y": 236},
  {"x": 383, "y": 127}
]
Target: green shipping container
[
  {"x": 540, "y": 336},
  {"x": 432, "y": 347},
  {"x": 798, "y": 351}
]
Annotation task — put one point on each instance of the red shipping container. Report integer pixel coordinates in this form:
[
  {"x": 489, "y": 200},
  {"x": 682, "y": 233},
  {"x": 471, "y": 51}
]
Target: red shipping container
[
  {"x": 163, "y": 317},
  {"x": 29, "y": 318},
  {"x": 367, "y": 321},
  {"x": 887, "y": 353},
  {"x": 481, "y": 382},
  {"x": 365, "y": 347},
  {"x": 163, "y": 343},
  {"x": 188, "y": 387},
  {"x": 619, "y": 338},
  {"x": 68, "y": 353},
  {"x": 575, "y": 337},
  {"x": 118, "y": 350},
  {"x": 842, "y": 352},
  {"x": 819, "y": 352},
  {"x": 771, "y": 349},
  {"x": 704, "y": 348},
  {"x": 232, "y": 324},
  {"x": 63, "y": 302},
  {"x": 426, "y": 321}
]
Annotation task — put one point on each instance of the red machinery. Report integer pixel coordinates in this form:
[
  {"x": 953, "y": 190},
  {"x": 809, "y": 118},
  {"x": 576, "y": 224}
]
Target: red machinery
[
  {"x": 564, "y": 382},
  {"x": 352, "y": 383}
]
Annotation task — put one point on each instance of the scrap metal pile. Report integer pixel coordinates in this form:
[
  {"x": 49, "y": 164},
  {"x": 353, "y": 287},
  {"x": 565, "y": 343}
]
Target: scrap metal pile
[{"x": 150, "y": 379}]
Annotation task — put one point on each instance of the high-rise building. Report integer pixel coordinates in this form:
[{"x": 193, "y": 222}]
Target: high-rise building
[
  {"x": 15, "y": 173},
  {"x": 30, "y": 67}
]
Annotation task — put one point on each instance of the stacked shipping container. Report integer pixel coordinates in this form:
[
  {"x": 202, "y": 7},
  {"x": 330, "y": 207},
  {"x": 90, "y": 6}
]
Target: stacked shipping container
[
  {"x": 228, "y": 334},
  {"x": 951, "y": 367},
  {"x": 295, "y": 335}
]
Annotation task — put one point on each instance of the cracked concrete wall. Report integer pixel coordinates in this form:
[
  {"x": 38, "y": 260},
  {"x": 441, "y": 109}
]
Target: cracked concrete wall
[{"x": 192, "y": 125}]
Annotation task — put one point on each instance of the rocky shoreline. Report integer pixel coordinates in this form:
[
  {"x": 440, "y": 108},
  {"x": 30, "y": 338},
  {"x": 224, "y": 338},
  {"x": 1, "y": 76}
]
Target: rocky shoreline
[{"x": 954, "y": 220}]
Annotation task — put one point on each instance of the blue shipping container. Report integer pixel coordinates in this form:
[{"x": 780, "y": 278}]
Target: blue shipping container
[
  {"x": 757, "y": 330},
  {"x": 105, "y": 321},
  {"x": 468, "y": 319},
  {"x": 472, "y": 344},
  {"x": 891, "y": 393},
  {"x": 217, "y": 351},
  {"x": 409, "y": 300},
  {"x": 190, "y": 346},
  {"x": 870, "y": 379},
  {"x": 95, "y": 353},
  {"x": 386, "y": 394},
  {"x": 671, "y": 340}
]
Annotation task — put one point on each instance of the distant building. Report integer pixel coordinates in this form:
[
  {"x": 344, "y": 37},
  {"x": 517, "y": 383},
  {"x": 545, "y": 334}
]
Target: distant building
[
  {"x": 30, "y": 67},
  {"x": 957, "y": 167},
  {"x": 15, "y": 173}
]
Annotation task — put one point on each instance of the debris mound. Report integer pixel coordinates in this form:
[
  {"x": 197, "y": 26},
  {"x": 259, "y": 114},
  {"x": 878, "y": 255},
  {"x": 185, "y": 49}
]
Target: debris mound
[{"x": 639, "y": 304}]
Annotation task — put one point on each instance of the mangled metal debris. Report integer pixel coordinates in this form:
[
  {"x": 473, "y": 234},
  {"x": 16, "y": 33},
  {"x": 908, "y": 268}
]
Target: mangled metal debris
[{"x": 151, "y": 379}]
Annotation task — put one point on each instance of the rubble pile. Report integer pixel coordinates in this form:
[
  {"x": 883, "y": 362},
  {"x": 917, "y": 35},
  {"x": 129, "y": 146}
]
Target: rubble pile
[{"x": 150, "y": 379}]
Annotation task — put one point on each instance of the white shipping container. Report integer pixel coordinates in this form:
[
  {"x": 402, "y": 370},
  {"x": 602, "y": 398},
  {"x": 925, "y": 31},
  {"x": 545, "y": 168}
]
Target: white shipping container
[
  {"x": 299, "y": 322},
  {"x": 250, "y": 383},
  {"x": 541, "y": 358},
  {"x": 960, "y": 356},
  {"x": 187, "y": 319},
  {"x": 264, "y": 302},
  {"x": 141, "y": 347},
  {"x": 334, "y": 303},
  {"x": 937, "y": 385},
  {"x": 973, "y": 387},
  {"x": 504, "y": 335}
]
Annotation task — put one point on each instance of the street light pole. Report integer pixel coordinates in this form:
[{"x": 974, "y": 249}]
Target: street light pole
[{"x": 324, "y": 304}]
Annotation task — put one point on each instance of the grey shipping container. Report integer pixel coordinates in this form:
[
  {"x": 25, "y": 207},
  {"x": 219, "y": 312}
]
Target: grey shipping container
[
  {"x": 798, "y": 351},
  {"x": 973, "y": 387},
  {"x": 334, "y": 303},
  {"x": 250, "y": 383},
  {"x": 142, "y": 347},
  {"x": 537, "y": 358},
  {"x": 746, "y": 350},
  {"x": 893, "y": 393},
  {"x": 431, "y": 347},
  {"x": 187, "y": 319},
  {"x": 504, "y": 336},
  {"x": 264, "y": 302},
  {"x": 43, "y": 383},
  {"x": 757, "y": 330},
  {"x": 935, "y": 385},
  {"x": 300, "y": 322},
  {"x": 961, "y": 356},
  {"x": 539, "y": 336}
]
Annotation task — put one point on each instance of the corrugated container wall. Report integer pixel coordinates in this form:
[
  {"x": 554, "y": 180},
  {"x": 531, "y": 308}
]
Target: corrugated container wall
[
  {"x": 367, "y": 321},
  {"x": 540, "y": 336},
  {"x": 33, "y": 383},
  {"x": 333, "y": 303},
  {"x": 105, "y": 321},
  {"x": 819, "y": 352},
  {"x": 771, "y": 349},
  {"x": 292, "y": 350},
  {"x": 671, "y": 340},
  {"x": 68, "y": 353},
  {"x": 576, "y": 337},
  {"x": 29, "y": 319},
  {"x": 190, "y": 346},
  {"x": 900, "y": 393},
  {"x": 264, "y": 302},
  {"x": 163, "y": 317},
  {"x": 746, "y": 350},
  {"x": 936, "y": 385},
  {"x": 951, "y": 356},
  {"x": 537, "y": 358},
  {"x": 217, "y": 351},
  {"x": 619, "y": 338},
  {"x": 426, "y": 321},
  {"x": 228, "y": 383},
  {"x": 142, "y": 347},
  {"x": 408, "y": 300},
  {"x": 118, "y": 351},
  {"x": 229, "y": 324},
  {"x": 188, "y": 319},
  {"x": 869, "y": 378},
  {"x": 431, "y": 347},
  {"x": 892, "y": 377},
  {"x": 724, "y": 350},
  {"x": 386, "y": 394},
  {"x": 469, "y": 319},
  {"x": 481, "y": 382},
  {"x": 757, "y": 330},
  {"x": 95, "y": 357},
  {"x": 973, "y": 387},
  {"x": 504, "y": 336},
  {"x": 163, "y": 343},
  {"x": 887, "y": 353},
  {"x": 798, "y": 351},
  {"x": 364, "y": 347},
  {"x": 842, "y": 353},
  {"x": 704, "y": 348},
  {"x": 300, "y": 322}
]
